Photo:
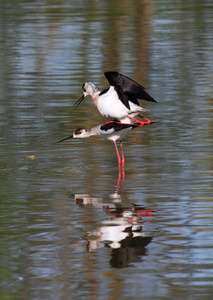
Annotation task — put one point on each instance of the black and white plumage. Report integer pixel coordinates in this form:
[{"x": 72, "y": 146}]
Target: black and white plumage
[
  {"x": 120, "y": 100},
  {"x": 112, "y": 130}
]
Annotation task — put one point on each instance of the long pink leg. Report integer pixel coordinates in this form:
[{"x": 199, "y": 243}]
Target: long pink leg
[
  {"x": 123, "y": 176},
  {"x": 123, "y": 163},
  {"x": 122, "y": 154},
  {"x": 118, "y": 181},
  {"x": 118, "y": 155}
]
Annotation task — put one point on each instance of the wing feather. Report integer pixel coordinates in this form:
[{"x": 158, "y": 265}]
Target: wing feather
[
  {"x": 113, "y": 126},
  {"x": 130, "y": 88}
]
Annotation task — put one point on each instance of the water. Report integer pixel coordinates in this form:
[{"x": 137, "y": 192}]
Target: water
[{"x": 70, "y": 226}]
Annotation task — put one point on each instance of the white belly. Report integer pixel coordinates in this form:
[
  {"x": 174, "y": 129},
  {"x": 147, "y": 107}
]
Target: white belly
[
  {"x": 109, "y": 105},
  {"x": 114, "y": 136}
]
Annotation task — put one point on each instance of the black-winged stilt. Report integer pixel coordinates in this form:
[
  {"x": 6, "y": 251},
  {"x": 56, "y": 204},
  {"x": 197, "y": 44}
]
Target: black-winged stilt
[
  {"x": 120, "y": 100},
  {"x": 111, "y": 130}
]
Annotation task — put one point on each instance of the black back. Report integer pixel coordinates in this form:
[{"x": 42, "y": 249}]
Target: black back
[
  {"x": 127, "y": 89},
  {"x": 117, "y": 126}
]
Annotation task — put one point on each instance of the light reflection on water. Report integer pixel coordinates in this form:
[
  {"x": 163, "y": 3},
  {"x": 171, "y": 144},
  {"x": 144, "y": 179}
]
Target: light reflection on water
[{"x": 68, "y": 223}]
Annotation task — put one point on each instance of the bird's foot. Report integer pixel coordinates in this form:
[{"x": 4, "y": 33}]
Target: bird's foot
[
  {"x": 148, "y": 121},
  {"x": 140, "y": 123}
]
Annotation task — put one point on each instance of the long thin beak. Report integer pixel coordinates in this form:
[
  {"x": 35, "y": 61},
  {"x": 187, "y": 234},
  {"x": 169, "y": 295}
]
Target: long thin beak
[
  {"x": 69, "y": 137},
  {"x": 79, "y": 101}
]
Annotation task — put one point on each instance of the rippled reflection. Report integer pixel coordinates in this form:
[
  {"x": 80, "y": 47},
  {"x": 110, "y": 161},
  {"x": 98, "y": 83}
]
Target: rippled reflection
[{"x": 122, "y": 230}]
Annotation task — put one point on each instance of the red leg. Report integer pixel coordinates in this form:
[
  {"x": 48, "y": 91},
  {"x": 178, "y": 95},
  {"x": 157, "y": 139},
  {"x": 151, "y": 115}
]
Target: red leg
[
  {"x": 123, "y": 163},
  {"x": 140, "y": 124},
  {"x": 120, "y": 160},
  {"x": 123, "y": 176},
  {"x": 136, "y": 121},
  {"x": 118, "y": 181},
  {"x": 118, "y": 155},
  {"x": 147, "y": 120},
  {"x": 122, "y": 154}
]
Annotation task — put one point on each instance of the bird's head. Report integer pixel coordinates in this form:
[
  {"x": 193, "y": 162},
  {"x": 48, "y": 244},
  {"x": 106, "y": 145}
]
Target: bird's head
[
  {"x": 81, "y": 133},
  {"x": 89, "y": 88}
]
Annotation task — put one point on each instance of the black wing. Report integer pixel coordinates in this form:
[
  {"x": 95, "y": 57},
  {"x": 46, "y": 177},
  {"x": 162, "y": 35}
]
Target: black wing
[
  {"x": 117, "y": 126},
  {"x": 127, "y": 88}
]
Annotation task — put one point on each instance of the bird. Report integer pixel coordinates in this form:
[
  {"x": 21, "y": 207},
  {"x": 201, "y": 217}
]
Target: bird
[
  {"x": 120, "y": 100},
  {"x": 111, "y": 130}
]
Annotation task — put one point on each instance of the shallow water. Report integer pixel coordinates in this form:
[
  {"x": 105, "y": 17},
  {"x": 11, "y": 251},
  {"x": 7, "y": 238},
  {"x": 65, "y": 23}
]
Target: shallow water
[{"x": 71, "y": 225}]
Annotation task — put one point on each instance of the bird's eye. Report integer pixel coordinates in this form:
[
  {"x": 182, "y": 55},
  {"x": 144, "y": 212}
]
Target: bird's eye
[{"x": 78, "y": 131}]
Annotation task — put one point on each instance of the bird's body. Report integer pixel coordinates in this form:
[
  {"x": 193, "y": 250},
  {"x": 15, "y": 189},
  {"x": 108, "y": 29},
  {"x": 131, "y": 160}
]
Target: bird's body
[
  {"x": 120, "y": 100},
  {"x": 107, "y": 131},
  {"x": 120, "y": 112},
  {"x": 112, "y": 130}
]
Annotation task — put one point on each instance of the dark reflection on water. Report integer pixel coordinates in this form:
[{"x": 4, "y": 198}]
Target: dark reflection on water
[
  {"x": 105, "y": 242},
  {"x": 122, "y": 230}
]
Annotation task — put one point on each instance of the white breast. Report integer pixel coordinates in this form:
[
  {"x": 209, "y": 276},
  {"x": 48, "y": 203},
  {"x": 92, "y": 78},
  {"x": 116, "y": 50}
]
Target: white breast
[{"x": 110, "y": 105}]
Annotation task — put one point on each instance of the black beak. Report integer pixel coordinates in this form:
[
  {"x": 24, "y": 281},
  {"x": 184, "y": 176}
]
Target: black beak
[
  {"x": 65, "y": 139},
  {"x": 79, "y": 101}
]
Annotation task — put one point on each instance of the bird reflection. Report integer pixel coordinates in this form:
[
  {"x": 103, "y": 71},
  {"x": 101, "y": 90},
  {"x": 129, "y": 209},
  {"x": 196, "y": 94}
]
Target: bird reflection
[{"x": 122, "y": 231}]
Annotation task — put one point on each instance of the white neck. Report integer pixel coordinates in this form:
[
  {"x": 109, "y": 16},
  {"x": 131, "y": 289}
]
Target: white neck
[{"x": 94, "y": 131}]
